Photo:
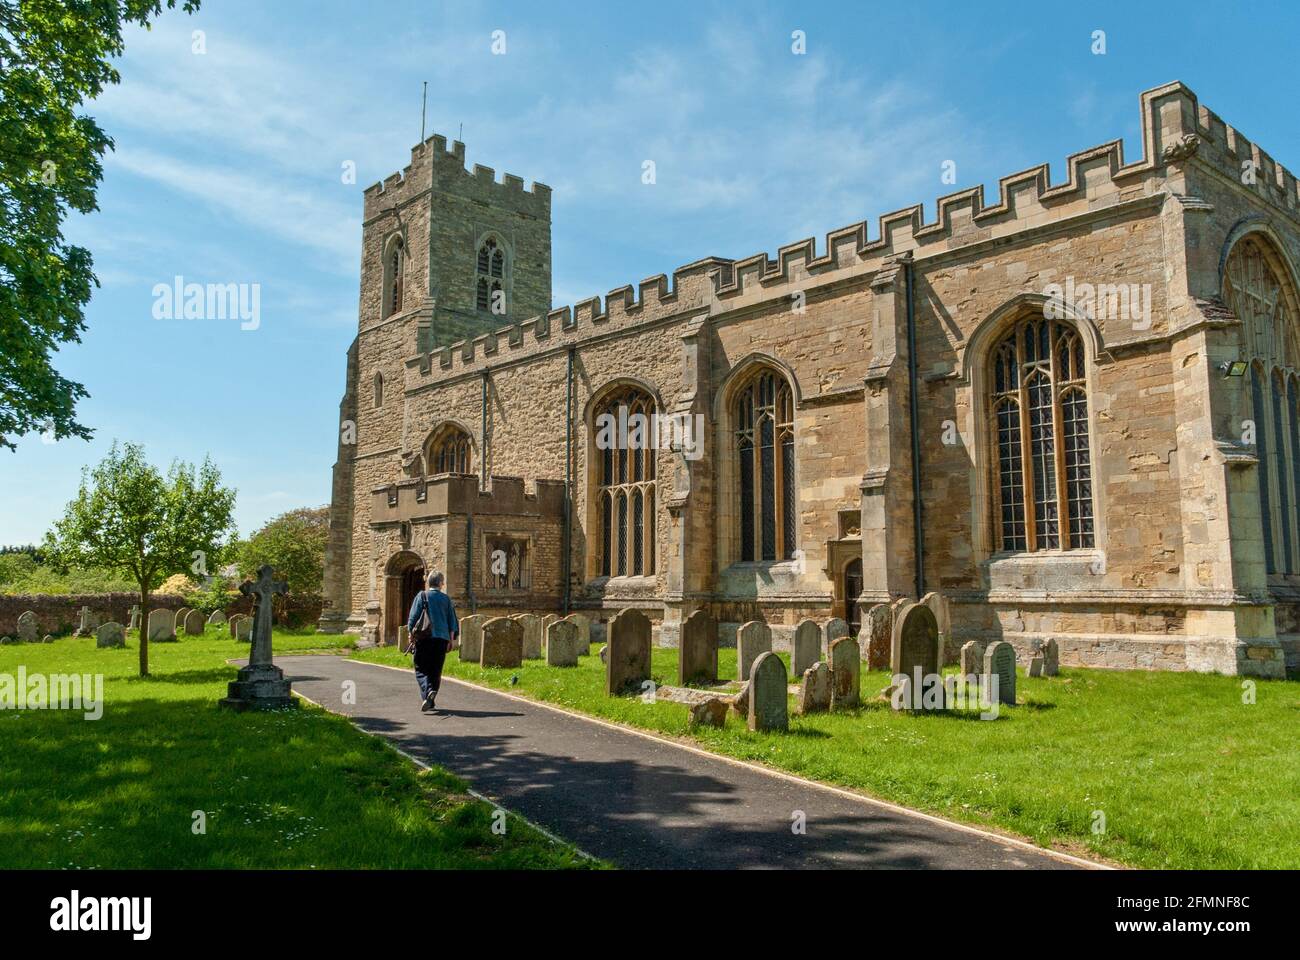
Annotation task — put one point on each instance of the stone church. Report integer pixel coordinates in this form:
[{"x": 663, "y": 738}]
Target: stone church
[{"x": 1073, "y": 412}]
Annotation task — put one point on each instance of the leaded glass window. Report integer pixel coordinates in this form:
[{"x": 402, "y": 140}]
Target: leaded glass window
[
  {"x": 763, "y": 414},
  {"x": 623, "y": 426}
]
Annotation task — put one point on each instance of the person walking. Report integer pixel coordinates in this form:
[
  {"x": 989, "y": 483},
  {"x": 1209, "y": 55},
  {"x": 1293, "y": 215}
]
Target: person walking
[{"x": 433, "y": 629}]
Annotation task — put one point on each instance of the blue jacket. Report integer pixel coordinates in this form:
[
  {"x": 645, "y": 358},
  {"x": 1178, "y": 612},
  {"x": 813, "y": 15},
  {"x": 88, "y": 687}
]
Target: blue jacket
[{"x": 442, "y": 615}]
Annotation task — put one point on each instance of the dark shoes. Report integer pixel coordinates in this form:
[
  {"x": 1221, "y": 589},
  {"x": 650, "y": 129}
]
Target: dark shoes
[{"x": 428, "y": 705}]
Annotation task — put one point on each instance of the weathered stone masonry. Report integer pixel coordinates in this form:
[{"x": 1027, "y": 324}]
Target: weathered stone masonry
[{"x": 1177, "y": 557}]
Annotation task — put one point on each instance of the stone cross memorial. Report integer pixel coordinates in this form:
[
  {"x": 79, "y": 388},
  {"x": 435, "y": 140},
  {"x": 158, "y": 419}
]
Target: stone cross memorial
[{"x": 260, "y": 685}]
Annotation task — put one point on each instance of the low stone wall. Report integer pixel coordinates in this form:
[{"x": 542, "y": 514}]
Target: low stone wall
[{"x": 60, "y": 614}]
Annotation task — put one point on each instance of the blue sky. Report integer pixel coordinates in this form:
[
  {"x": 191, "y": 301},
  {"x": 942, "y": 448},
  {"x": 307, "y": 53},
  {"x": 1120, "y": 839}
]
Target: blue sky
[{"x": 228, "y": 169}]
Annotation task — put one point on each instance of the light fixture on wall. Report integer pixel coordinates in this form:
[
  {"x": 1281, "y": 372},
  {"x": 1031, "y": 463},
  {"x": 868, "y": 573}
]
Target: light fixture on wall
[{"x": 1233, "y": 368}]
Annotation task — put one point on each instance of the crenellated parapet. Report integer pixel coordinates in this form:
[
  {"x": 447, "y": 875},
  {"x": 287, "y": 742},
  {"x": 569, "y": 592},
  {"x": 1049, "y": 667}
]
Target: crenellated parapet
[{"x": 433, "y": 164}]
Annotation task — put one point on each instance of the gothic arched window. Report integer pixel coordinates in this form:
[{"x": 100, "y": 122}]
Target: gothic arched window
[
  {"x": 1256, "y": 290},
  {"x": 449, "y": 451},
  {"x": 1040, "y": 438},
  {"x": 490, "y": 277},
  {"x": 394, "y": 264},
  {"x": 623, "y": 425},
  {"x": 763, "y": 417}
]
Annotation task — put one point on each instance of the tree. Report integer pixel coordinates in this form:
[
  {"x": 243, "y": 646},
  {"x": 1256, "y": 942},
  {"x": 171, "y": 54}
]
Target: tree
[
  {"x": 128, "y": 516},
  {"x": 294, "y": 544},
  {"x": 53, "y": 57}
]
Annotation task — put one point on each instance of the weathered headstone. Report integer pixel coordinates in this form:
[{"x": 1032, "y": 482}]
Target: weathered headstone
[
  {"x": 28, "y": 627},
  {"x": 753, "y": 638},
  {"x": 1051, "y": 652},
  {"x": 1035, "y": 666},
  {"x": 627, "y": 657},
  {"x": 194, "y": 623},
  {"x": 403, "y": 637},
  {"x": 877, "y": 625},
  {"x": 244, "y": 631},
  {"x": 181, "y": 614},
  {"x": 939, "y": 607},
  {"x": 531, "y": 624},
  {"x": 502, "y": 644},
  {"x": 217, "y": 618},
  {"x": 697, "y": 656},
  {"x": 89, "y": 622},
  {"x": 836, "y": 628},
  {"x": 972, "y": 658},
  {"x": 162, "y": 625},
  {"x": 805, "y": 647},
  {"x": 846, "y": 673},
  {"x": 134, "y": 623},
  {"x": 1000, "y": 661},
  {"x": 768, "y": 703},
  {"x": 471, "y": 638},
  {"x": 815, "y": 689},
  {"x": 233, "y": 624},
  {"x": 707, "y": 713},
  {"x": 47, "y": 639},
  {"x": 110, "y": 635},
  {"x": 914, "y": 656},
  {"x": 561, "y": 644},
  {"x": 260, "y": 685},
  {"x": 584, "y": 632}
]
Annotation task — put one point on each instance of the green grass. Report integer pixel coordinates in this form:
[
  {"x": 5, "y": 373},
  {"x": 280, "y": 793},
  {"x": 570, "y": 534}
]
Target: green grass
[
  {"x": 288, "y": 789},
  {"x": 1184, "y": 772}
]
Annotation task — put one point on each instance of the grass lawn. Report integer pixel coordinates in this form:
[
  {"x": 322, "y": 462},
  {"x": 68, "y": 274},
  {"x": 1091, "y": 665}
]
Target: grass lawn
[
  {"x": 1185, "y": 774},
  {"x": 294, "y": 789}
]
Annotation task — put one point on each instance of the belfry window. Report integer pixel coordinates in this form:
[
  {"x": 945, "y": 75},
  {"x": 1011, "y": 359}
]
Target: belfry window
[
  {"x": 1040, "y": 439},
  {"x": 623, "y": 426},
  {"x": 763, "y": 414},
  {"x": 394, "y": 268},
  {"x": 1257, "y": 291},
  {"x": 490, "y": 278}
]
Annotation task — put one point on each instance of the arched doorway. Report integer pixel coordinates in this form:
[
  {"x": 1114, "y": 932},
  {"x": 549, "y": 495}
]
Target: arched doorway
[
  {"x": 403, "y": 579},
  {"x": 853, "y": 590}
]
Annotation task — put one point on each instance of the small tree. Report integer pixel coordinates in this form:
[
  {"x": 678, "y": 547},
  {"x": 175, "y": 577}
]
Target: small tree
[
  {"x": 294, "y": 544},
  {"x": 128, "y": 516}
]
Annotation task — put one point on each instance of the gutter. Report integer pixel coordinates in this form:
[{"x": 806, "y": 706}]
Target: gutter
[
  {"x": 568, "y": 484},
  {"x": 917, "y": 510}
]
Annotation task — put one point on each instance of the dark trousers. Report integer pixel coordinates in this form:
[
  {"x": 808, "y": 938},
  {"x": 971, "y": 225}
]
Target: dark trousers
[{"x": 429, "y": 658}]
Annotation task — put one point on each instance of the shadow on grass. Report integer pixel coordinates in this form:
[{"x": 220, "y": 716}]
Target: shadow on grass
[{"x": 213, "y": 675}]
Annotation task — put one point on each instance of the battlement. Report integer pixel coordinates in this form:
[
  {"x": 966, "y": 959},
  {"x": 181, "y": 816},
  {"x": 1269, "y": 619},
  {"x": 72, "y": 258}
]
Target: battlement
[
  {"x": 434, "y": 165},
  {"x": 1175, "y": 130},
  {"x": 458, "y": 494}
]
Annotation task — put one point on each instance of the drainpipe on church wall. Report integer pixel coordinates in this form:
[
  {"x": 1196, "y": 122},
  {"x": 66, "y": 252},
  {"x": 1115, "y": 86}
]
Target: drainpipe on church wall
[{"x": 568, "y": 482}]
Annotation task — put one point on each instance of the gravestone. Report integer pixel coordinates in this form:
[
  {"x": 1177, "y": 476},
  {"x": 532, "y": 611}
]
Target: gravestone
[
  {"x": 47, "y": 639},
  {"x": 531, "y": 624},
  {"x": 471, "y": 638},
  {"x": 805, "y": 647},
  {"x": 1051, "y": 653},
  {"x": 233, "y": 624},
  {"x": 180, "y": 619},
  {"x": 846, "y": 673},
  {"x": 28, "y": 628},
  {"x": 753, "y": 638},
  {"x": 162, "y": 626},
  {"x": 707, "y": 713},
  {"x": 217, "y": 618},
  {"x": 562, "y": 644},
  {"x": 815, "y": 689},
  {"x": 768, "y": 706},
  {"x": 877, "y": 626},
  {"x": 627, "y": 655},
  {"x": 584, "y": 632},
  {"x": 194, "y": 623},
  {"x": 697, "y": 656},
  {"x": 134, "y": 623},
  {"x": 260, "y": 685},
  {"x": 403, "y": 638},
  {"x": 502, "y": 644},
  {"x": 972, "y": 658},
  {"x": 110, "y": 635},
  {"x": 836, "y": 628},
  {"x": 914, "y": 656},
  {"x": 939, "y": 607},
  {"x": 89, "y": 622},
  {"x": 1000, "y": 661},
  {"x": 244, "y": 631},
  {"x": 1035, "y": 667}
]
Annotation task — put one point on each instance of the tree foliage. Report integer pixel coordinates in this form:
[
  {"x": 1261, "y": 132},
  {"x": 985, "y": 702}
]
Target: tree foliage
[
  {"x": 128, "y": 516},
  {"x": 53, "y": 58},
  {"x": 294, "y": 545}
]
